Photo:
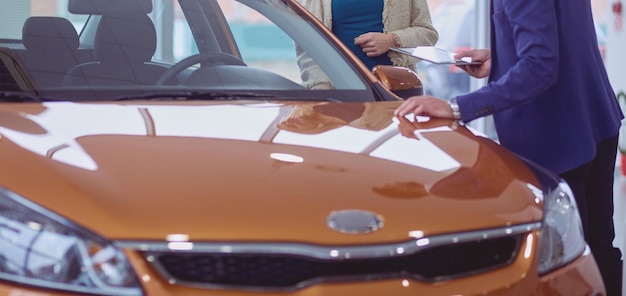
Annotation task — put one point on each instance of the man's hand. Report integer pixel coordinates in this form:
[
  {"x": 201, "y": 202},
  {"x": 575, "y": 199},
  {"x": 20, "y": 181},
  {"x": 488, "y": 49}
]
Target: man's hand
[
  {"x": 374, "y": 44},
  {"x": 482, "y": 55},
  {"x": 425, "y": 106},
  {"x": 407, "y": 127}
]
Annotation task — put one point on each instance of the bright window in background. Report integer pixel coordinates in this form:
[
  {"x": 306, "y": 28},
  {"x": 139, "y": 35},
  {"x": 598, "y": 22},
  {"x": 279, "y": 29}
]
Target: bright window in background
[
  {"x": 462, "y": 24},
  {"x": 600, "y": 9},
  {"x": 455, "y": 22}
]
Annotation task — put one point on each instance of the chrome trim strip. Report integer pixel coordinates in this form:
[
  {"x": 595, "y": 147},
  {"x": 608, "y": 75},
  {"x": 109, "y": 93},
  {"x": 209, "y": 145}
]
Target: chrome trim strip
[
  {"x": 153, "y": 249},
  {"x": 332, "y": 252}
]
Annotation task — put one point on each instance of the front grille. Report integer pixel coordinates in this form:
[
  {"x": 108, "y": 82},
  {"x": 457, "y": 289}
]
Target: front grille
[{"x": 287, "y": 271}]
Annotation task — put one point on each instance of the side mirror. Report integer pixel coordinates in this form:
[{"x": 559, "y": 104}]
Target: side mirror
[{"x": 402, "y": 81}]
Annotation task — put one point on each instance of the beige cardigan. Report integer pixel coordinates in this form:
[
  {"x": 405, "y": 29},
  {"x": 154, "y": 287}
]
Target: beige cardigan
[{"x": 408, "y": 20}]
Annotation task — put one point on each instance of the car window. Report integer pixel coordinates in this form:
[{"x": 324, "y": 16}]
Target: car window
[
  {"x": 156, "y": 48},
  {"x": 262, "y": 43}
]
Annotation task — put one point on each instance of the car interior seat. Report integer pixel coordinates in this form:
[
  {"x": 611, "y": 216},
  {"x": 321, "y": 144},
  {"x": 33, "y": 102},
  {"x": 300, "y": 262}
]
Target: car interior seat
[
  {"x": 123, "y": 48},
  {"x": 51, "y": 49}
]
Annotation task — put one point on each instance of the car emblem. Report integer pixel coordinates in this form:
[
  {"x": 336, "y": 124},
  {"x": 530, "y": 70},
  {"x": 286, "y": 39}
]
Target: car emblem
[{"x": 354, "y": 221}]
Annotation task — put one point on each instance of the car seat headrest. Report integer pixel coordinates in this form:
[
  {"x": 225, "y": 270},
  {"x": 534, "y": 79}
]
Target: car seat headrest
[{"x": 41, "y": 32}]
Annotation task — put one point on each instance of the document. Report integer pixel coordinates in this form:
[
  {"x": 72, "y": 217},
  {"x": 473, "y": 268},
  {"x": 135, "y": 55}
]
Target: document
[{"x": 435, "y": 55}]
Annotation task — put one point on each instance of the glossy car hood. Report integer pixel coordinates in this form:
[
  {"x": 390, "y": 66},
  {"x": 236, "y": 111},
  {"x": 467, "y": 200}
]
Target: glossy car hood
[{"x": 258, "y": 171}]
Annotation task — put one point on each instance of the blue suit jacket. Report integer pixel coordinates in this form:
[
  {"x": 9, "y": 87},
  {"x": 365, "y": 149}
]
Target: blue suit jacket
[{"x": 548, "y": 89}]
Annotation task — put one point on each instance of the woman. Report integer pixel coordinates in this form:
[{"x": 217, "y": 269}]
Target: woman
[{"x": 369, "y": 28}]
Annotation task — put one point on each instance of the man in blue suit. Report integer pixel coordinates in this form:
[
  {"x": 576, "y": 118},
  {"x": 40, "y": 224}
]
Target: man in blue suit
[{"x": 552, "y": 103}]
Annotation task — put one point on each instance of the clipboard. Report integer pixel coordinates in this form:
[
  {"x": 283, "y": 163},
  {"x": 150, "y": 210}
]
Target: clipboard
[{"x": 434, "y": 55}]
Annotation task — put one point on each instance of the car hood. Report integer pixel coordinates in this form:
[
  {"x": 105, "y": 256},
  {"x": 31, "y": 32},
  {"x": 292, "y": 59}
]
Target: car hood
[{"x": 258, "y": 171}]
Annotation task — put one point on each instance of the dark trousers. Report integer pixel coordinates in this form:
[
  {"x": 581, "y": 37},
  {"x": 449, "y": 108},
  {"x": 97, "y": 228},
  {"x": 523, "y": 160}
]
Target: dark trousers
[{"x": 592, "y": 185}]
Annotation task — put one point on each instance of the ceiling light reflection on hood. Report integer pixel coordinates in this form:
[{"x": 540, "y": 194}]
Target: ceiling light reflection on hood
[
  {"x": 287, "y": 157},
  {"x": 177, "y": 237}
]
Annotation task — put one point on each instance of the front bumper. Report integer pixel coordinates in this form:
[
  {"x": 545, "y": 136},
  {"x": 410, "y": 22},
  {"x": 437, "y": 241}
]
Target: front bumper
[{"x": 580, "y": 277}]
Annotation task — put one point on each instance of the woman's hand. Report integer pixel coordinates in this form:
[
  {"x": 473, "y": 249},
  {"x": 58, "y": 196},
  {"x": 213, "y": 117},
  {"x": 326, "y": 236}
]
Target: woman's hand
[{"x": 374, "y": 44}]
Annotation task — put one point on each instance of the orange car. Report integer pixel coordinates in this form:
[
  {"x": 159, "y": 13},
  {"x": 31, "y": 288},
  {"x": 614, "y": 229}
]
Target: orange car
[{"x": 181, "y": 148}]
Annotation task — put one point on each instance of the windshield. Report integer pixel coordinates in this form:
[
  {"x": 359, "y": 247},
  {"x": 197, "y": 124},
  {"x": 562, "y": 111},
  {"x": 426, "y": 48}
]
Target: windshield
[{"x": 83, "y": 50}]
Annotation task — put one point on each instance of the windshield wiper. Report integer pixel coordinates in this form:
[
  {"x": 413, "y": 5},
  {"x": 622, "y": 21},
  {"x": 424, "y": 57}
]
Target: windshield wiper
[
  {"x": 196, "y": 96},
  {"x": 19, "y": 97}
]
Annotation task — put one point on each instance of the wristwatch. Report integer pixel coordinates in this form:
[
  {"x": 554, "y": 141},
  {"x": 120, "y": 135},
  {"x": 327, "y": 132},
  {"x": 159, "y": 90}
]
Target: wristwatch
[{"x": 455, "y": 109}]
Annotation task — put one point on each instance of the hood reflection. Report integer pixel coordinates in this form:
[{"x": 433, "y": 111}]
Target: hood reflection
[
  {"x": 19, "y": 121},
  {"x": 358, "y": 128},
  {"x": 316, "y": 118},
  {"x": 402, "y": 190},
  {"x": 480, "y": 175}
]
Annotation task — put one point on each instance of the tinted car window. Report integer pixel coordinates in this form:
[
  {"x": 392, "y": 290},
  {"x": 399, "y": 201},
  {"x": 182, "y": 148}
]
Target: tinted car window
[{"x": 173, "y": 46}]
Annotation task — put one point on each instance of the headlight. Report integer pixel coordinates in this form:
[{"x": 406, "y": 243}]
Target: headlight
[
  {"x": 42, "y": 249},
  {"x": 561, "y": 239}
]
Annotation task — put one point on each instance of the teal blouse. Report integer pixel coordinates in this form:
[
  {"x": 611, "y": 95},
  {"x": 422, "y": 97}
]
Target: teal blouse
[{"x": 352, "y": 18}]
